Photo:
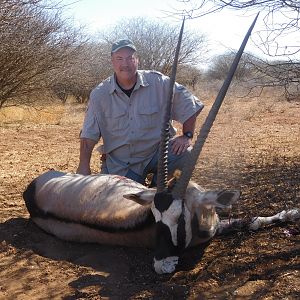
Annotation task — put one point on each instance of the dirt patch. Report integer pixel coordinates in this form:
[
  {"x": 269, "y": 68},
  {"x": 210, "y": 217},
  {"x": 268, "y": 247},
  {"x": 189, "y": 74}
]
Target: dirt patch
[{"x": 257, "y": 152}]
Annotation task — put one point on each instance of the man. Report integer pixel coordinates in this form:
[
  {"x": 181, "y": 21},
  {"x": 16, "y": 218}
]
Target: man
[{"x": 127, "y": 110}]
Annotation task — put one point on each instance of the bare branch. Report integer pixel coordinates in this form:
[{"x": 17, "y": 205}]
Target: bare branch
[{"x": 34, "y": 42}]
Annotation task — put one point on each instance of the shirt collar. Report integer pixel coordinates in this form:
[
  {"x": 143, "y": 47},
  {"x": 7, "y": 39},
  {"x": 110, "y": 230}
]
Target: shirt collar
[{"x": 141, "y": 81}]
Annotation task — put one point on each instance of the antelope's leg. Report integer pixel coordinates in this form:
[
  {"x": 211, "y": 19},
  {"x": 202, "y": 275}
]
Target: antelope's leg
[{"x": 227, "y": 226}]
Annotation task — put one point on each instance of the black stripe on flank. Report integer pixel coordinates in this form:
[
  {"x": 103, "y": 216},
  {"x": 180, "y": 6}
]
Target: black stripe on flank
[
  {"x": 146, "y": 222},
  {"x": 29, "y": 196}
]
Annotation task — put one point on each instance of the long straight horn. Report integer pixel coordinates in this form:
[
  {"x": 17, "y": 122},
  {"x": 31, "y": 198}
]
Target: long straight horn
[
  {"x": 181, "y": 185},
  {"x": 162, "y": 167}
]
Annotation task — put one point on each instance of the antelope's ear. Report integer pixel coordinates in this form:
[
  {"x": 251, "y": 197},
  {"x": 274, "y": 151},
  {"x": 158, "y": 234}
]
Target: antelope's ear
[
  {"x": 227, "y": 198},
  {"x": 143, "y": 198},
  {"x": 221, "y": 199}
]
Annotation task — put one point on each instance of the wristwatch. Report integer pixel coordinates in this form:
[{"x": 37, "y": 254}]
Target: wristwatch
[{"x": 188, "y": 134}]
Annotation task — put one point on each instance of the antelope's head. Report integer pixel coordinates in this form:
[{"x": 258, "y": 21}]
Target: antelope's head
[{"x": 177, "y": 219}]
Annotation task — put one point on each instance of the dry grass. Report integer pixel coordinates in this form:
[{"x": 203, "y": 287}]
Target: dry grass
[
  {"x": 243, "y": 127},
  {"x": 246, "y": 129},
  {"x": 43, "y": 112},
  {"x": 268, "y": 123}
]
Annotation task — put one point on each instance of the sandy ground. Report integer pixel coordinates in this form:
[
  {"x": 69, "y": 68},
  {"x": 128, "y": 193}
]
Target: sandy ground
[{"x": 254, "y": 146}]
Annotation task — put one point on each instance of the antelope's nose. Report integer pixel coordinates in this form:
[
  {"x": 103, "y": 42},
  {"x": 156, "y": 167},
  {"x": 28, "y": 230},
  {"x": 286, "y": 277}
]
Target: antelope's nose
[{"x": 166, "y": 265}]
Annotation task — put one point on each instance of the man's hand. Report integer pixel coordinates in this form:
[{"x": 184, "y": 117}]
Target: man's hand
[{"x": 180, "y": 144}]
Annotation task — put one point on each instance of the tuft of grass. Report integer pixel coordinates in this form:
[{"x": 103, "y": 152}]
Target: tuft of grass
[{"x": 52, "y": 114}]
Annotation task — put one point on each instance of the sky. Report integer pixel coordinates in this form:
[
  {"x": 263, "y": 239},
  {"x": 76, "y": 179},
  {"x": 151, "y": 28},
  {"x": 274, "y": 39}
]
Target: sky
[{"x": 224, "y": 31}]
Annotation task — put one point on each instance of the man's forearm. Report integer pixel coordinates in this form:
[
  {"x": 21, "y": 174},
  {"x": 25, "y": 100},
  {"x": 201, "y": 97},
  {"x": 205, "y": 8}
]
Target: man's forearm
[
  {"x": 86, "y": 149},
  {"x": 190, "y": 123}
]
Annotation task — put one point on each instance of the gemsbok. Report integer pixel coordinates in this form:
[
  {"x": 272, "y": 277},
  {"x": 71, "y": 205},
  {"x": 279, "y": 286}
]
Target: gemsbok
[{"x": 111, "y": 209}]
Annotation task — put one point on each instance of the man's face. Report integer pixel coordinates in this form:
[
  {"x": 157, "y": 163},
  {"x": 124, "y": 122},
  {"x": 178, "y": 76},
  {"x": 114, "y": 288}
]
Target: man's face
[{"x": 125, "y": 64}]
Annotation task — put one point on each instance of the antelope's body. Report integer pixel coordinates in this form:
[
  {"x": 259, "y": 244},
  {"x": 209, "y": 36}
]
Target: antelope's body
[
  {"x": 90, "y": 209},
  {"x": 93, "y": 209}
]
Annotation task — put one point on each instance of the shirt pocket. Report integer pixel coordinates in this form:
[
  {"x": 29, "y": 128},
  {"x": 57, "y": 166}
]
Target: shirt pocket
[
  {"x": 116, "y": 122},
  {"x": 149, "y": 116}
]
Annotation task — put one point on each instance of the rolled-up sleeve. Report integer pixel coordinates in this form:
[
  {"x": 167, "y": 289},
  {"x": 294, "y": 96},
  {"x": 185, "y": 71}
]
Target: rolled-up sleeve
[
  {"x": 90, "y": 128},
  {"x": 185, "y": 104}
]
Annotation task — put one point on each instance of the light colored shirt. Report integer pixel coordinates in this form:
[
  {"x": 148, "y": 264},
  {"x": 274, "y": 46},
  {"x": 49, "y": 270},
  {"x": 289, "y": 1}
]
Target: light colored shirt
[{"x": 131, "y": 126}]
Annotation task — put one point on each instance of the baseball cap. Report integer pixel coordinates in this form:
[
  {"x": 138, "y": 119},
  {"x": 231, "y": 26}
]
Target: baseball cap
[{"x": 122, "y": 44}]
